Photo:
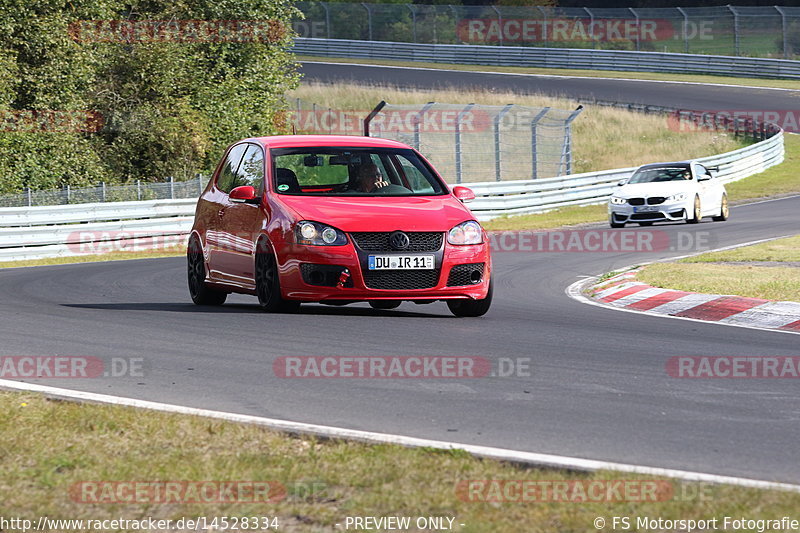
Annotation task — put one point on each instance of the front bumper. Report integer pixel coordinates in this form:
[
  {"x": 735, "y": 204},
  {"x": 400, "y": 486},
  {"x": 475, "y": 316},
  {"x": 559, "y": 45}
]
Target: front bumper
[
  {"x": 299, "y": 265},
  {"x": 673, "y": 211}
]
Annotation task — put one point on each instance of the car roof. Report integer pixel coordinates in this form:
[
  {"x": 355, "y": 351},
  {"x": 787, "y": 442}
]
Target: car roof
[
  {"x": 679, "y": 164},
  {"x": 300, "y": 141}
]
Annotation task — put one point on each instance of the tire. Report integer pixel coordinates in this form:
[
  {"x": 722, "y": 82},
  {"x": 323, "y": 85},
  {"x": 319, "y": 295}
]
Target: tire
[
  {"x": 724, "y": 210},
  {"x": 472, "y": 308},
  {"x": 268, "y": 286},
  {"x": 200, "y": 292},
  {"x": 645, "y": 223},
  {"x": 385, "y": 304},
  {"x": 697, "y": 214},
  {"x": 615, "y": 224}
]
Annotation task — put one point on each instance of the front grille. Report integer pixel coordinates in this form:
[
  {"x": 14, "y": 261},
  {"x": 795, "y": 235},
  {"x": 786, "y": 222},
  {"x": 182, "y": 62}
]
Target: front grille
[
  {"x": 401, "y": 279},
  {"x": 462, "y": 274},
  {"x": 378, "y": 241},
  {"x": 646, "y": 216},
  {"x": 636, "y": 201},
  {"x": 655, "y": 200},
  {"x": 323, "y": 275}
]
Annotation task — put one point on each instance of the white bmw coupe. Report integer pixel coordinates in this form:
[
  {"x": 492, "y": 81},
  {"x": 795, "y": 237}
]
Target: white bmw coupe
[{"x": 657, "y": 192}]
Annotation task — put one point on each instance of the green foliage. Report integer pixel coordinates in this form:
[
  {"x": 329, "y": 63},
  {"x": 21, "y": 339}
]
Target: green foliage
[{"x": 169, "y": 108}]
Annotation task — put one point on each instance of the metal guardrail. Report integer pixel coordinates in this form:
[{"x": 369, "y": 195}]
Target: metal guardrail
[
  {"x": 566, "y": 58},
  {"x": 52, "y": 231},
  {"x": 537, "y": 196}
]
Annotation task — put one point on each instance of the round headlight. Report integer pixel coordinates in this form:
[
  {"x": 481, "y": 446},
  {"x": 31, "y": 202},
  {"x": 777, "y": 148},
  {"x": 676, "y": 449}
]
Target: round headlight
[
  {"x": 308, "y": 231},
  {"x": 329, "y": 235},
  {"x": 472, "y": 232},
  {"x": 457, "y": 234}
]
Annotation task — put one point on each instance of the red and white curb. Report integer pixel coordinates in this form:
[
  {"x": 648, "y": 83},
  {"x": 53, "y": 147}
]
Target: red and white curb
[{"x": 624, "y": 292}]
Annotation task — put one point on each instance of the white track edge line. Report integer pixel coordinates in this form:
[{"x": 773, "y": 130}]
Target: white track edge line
[
  {"x": 556, "y": 76},
  {"x": 576, "y": 289},
  {"x": 502, "y": 454}
]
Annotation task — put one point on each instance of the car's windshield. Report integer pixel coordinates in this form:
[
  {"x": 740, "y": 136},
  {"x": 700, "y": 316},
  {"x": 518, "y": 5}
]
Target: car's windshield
[
  {"x": 343, "y": 171},
  {"x": 654, "y": 175}
]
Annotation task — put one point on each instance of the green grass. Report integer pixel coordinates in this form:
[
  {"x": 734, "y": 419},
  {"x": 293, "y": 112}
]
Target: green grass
[
  {"x": 770, "y": 283},
  {"x": 326, "y": 480},
  {"x": 749, "y": 82},
  {"x": 779, "y": 250},
  {"x": 705, "y": 273}
]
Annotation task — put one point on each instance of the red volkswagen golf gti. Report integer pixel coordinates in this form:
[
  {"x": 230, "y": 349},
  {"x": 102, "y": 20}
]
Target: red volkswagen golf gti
[{"x": 336, "y": 220}]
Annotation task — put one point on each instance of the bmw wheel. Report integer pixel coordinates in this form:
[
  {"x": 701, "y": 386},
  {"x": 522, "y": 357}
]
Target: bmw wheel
[
  {"x": 198, "y": 290},
  {"x": 724, "y": 210},
  {"x": 697, "y": 213}
]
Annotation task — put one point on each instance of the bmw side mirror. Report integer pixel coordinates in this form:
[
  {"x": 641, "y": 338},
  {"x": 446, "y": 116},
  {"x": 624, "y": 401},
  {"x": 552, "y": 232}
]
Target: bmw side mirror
[
  {"x": 622, "y": 182},
  {"x": 464, "y": 194},
  {"x": 245, "y": 194}
]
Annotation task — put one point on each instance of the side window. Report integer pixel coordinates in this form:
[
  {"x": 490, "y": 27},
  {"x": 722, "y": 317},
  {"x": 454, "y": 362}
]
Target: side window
[
  {"x": 226, "y": 180},
  {"x": 251, "y": 171}
]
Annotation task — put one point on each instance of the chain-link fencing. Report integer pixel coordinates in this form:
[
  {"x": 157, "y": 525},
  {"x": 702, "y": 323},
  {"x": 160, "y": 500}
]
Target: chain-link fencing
[{"x": 769, "y": 31}]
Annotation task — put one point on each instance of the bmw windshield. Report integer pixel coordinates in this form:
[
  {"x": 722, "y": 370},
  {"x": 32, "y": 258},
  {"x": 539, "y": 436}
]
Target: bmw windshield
[
  {"x": 343, "y": 171},
  {"x": 660, "y": 174}
]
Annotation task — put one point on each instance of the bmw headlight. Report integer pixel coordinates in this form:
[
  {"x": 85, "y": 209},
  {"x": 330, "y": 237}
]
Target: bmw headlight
[
  {"x": 469, "y": 232},
  {"x": 677, "y": 197},
  {"x": 317, "y": 234},
  {"x": 618, "y": 201}
]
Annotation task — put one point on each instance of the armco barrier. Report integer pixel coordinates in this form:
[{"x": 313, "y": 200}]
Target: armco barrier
[
  {"x": 52, "y": 231},
  {"x": 567, "y": 58}
]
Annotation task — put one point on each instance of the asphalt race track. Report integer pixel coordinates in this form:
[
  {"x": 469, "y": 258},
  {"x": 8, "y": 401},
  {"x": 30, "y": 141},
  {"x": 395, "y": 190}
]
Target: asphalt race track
[
  {"x": 678, "y": 95},
  {"x": 598, "y": 387}
]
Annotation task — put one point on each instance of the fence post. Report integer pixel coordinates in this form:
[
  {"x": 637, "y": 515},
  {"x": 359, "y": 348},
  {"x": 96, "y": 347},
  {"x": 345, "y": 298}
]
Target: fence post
[
  {"x": 566, "y": 154},
  {"x": 735, "y": 29},
  {"x": 785, "y": 31},
  {"x": 458, "y": 141},
  {"x": 534, "y": 144},
  {"x": 327, "y": 19},
  {"x": 199, "y": 185},
  {"x": 497, "y": 151},
  {"x": 544, "y": 24},
  {"x": 638, "y": 29},
  {"x": 68, "y": 193},
  {"x": 138, "y": 189},
  {"x": 28, "y": 192},
  {"x": 416, "y": 123},
  {"x": 171, "y": 188},
  {"x": 413, "y": 21},
  {"x": 103, "y": 191},
  {"x": 685, "y": 29},
  {"x": 369, "y": 19},
  {"x": 455, "y": 23},
  {"x": 499, "y": 25},
  {"x": 591, "y": 27}
]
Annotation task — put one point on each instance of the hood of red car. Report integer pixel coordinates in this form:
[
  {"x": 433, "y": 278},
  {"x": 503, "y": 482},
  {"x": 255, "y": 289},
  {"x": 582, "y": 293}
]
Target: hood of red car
[{"x": 419, "y": 213}]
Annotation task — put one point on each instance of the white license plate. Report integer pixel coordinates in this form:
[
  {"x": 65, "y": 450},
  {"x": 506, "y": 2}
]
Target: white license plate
[
  {"x": 645, "y": 209},
  {"x": 401, "y": 262}
]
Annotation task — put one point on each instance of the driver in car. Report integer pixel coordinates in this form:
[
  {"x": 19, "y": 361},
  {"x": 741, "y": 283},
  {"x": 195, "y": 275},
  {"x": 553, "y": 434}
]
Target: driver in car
[{"x": 370, "y": 178}]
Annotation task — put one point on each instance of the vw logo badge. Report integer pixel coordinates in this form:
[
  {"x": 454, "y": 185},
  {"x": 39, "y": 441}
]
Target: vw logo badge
[{"x": 399, "y": 240}]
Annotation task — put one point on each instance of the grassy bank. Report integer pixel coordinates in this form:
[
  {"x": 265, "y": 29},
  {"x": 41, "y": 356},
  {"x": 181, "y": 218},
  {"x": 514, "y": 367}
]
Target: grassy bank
[
  {"x": 713, "y": 272},
  {"x": 324, "y": 481},
  {"x": 603, "y": 137}
]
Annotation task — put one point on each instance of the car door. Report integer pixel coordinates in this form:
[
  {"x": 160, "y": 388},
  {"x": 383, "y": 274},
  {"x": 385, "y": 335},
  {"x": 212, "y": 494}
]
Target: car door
[
  {"x": 243, "y": 220},
  {"x": 217, "y": 234},
  {"x": 709, "y": 198}
]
